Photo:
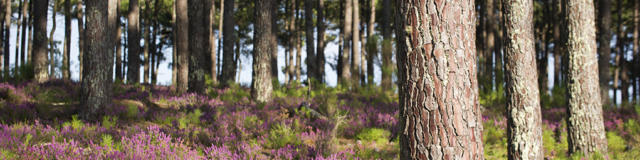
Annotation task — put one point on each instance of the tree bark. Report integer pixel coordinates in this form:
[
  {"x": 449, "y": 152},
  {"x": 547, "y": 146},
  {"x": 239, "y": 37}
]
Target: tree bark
[
  {"x": 25, "y": 6},
  {"x": 261, "y": 86},
  {"x": 220, "y": 24},
  {"x": 212, "y": 42},
  {"x": 112, "y": 24},
  {"x": 7, "y": 35},
  {"x": 39, "y": 60},
  {"x": 345, "y": 77},
  {"x": 298, "y": 39},
  {"x": 274, "y": 41},
  {"x": 147, "y": 45},
  {"x": 199, "y": 44},
  {"x": 174, "y": 58},
  {"x": 320, "y": 59},
  {"x": 17, "y": 43},
  {"x": 66, "y": 70},
  {"x": 182, "y": 28},
  {"x": 357, "y": 55},
  {"x": 585, "y": 124},
  {"x": 372, "y": 42},
  {"x": 2, "y": 40},
  {"x": 308, "y": 15},
  {"x": 228, "y": 67},
  {"x": 440, "y": 115},
  {"x": 118, "y": 41},
  {"x": 133, "y": 37},
  {"x": 79, "y": 16},
  {"x": 52, "y": 58},
  {"x": 96, "y": 87},
  {"x": 292, "y": 41},
  {"x": 524, "y": 120},
  {"x": 387, "y": 66}
]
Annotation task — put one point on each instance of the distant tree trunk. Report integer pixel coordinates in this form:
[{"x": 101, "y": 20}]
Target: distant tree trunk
[
  {"x": 7, "y": 34},
  {"x": 133, "y": 31},
  {"x": 430, "y": 127},
  {"x": 308, "y": 15},
  {"x": 112, "y": 24},
  {"x": 372, "y": 42},
  {"x": 274, "y": 41},
  {"x": 66, "y": 70},
  {"x": 346, "y": 51},
  {"x": 182, "y": 31},
  {"x": 118, "y": 41},
  {"x": 212, "y": 42},
  {"x": 261, "y": 86},
  {"x": 39, "y": 60},
  {"x": 96, "y": 87},
  {"x": 524, "y": 120},
  {"x": 30, "y": 39},
  {"x": 228, "y": 67},
  {"x": 174, "y": 58},
  {"x": 147, "y": 38},
  {"x": 298, "y": 37},
  {"x": 25, "y": 4},
  {"x": 199, "y": 44},
  {"x": 155, "y": 52},
  {"x": 320, "y": 59},
  {"x": 292, "y": 40},
  {"x": 17, "y": 43},
  {"x": 52, "y": 58},
  {"x": 289, "y": 41},
  {"x": 355, "y": 65},
  {"x": 220, "y": 24},
  {"x": 387, "y": 67},
  {"x": 619, "y": 52},
  {"x": 81, "y": 28},
  {"x": 2, "y": 40},
  {"x": 585, "y": 124},
  {"x": 558, "y": 42}
]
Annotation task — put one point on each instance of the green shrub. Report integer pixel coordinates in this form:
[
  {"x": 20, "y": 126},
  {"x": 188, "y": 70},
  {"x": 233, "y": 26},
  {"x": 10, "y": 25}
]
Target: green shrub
[
  {"x": 234, "y": 94},
  {"x": 109, "y": 122},
  {"x": 377, "y": 135},
  {"x": 191, "y": 119},
  {"x": 107, "y": 141},
  {"x": 282, "y": 135},
  {"x": 494, "y": 141},
  {"x": 493, "y": 98},
  {"x": 632, "y": 127},
  {"x": 75, "y": 123},
  {"x": 615, "y": 142}
]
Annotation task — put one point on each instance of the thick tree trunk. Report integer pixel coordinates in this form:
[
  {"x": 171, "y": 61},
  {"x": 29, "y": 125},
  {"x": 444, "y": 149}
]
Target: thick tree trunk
[
  {"x": 261, "y": 86},
  {"x": 524, "y": 120},
  {"x": 439, "y": 112},
  {"x": 96, "y": 87},
  {"x": 387, "y": 66},
  {"x": 174, "y": 58},
  {"x": 199, "y": 44},
  {"x": 228, "y": 67},
  {"x": 585, "y": 125},
  {"x": 66, "y": 70},
  {"x": 320, "y": 59},
  {"x": 357, "y": 55},
  {"x": 308, "y": 19},
  {"x": 133, "y": 31},
  {"x": 182, "y": 32},
  {"x": 345, "y": 76},
  {"x": 39, "y": 60}
]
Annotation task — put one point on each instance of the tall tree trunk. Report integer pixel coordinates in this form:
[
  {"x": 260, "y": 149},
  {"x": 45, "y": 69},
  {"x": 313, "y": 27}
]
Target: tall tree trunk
[
  {"x": 182, "y": 28},
  {"x": 320, "y": 59},
  {"x": 81, "y": 29},
  {"x": 39, "y": 59},
  {"x": 558, "y": 42},
  {"x": 430, "y": 127},
  {"x": 52, "y": 58},
  {"x": 261, "y": 86},
  {"x": 133, "y": 38},
  {"x": 372, "y": 42},
  {"x": 30, "y": 39},
  {"x": 298, "y": 37},
  {"x": 346, "y": 51},
  {"x": 7, "y": 35},
  {"x": 199, "y": 44},
  {"x": 66, "y": 70},
  {"x": 620, "y": 52},
  {"x": 585, "y": 125},
  {"x": 174, "y": 58},
  {"x": 604, "y": 38},
  {"x": 212, "y": 42},
  {"x": 155, "y": 52},
  {"x": 387, "y": 66},
  {"x": 308, "y": 19},
  {"x": 118, "y": 41},
  {"x": 2, "y": 40},
  {"x": 524, "y": 120},
  {"x": 96, "y": 87},
  {"x": 274, "y": 41},
  {"x": 147, "y": 38},
  {"x": 292, "y": 41},
  {"x": 228, "y": 67},
  {"x": 355, "y": 65},
  {"x": 25, "y": 6},
  {"x": 112, "y": 24},
  {"x": 491, "y": 31},
  {"x": 220, "y": 24},
  {"x": 17, "y": 43}
]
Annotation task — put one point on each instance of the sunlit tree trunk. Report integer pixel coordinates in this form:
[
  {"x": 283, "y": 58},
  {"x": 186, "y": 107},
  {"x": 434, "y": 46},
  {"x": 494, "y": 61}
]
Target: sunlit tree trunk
[
  {"x": 174, "y": 58},
  {"x": 39, "y": 60},
  {"x": 261, "y": 86},
  {"x": 25, "y": 6},
  {"x": 212, "y": 43},
  {"x": 524, "y": 121},
  {"x": 17, "y": 43},
  {"x": 585, "y": 125},
  {"x": 182, "y": 44},
  {"x": 118, "y": 41},
  {"x": 440, "y": 117}
]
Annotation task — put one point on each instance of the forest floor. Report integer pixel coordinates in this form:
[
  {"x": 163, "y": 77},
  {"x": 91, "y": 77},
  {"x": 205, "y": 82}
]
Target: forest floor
[{"x": 39, "y": 121}]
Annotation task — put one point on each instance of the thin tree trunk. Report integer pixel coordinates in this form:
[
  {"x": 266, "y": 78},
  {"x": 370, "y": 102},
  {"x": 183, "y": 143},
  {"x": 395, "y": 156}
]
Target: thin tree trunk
[
  {"x": 96, "y": 87},
  {"x": 320, "y": 59},
  {"x": 24, "y": 31},
  {"x": 585, "y": 125},
  {"x": 372, "y": 42},
  {"x": 199, "y": 44},
  {"x": 52, "y": 58},
  {"x": 524, "y": 120},
  {"x": 133, "y": 38},
  {"x": 30, "y": 39},
  {"x": 345, "y": 65},
  {"x": 118, "y": 41},
  {"x": 212, "y": 41},
  {"x": 298, "y": 37},
  {"x": 261, "y": 86},
  {"x": 308, "y": 15},
  {"x": 182, "y": 24},
  {"x": 174, "y": 58},
  {"x": 7, "y": 35},
  {"x": 620, "y": 51},
  {"x": 2, "y": 40},
  {"x": 39, "y": 60},
  {"x": 430, "y": 127},
  {"x": 292, "y": 41},
  {"x": 228, "y": 65},
  {"x": 558, "y": 43},
  {"x": 81, "y": 29},
  {"x": 355, "y": 65},
  {"x": 147, "y": 45},
  {"x": 220, "y": 24},
  {"x": 66, "y": 70},
  {"x": 387, "y": 67},
  {"x": 274, "y": 41},
  {"x": 17, "y": 43},
  {"x": 154, "y": 48}
]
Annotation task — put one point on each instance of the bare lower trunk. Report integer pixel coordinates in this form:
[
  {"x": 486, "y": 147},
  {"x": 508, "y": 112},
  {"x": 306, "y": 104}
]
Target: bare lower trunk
[
  {"x": 182, "y": 32},
  {"x": 7, "y": 35},
  {"x": 308, "y": 15},
  {"x": 585, "y": 125},
  {"x": 357, "y": 55},
  {"x": 228, "y": 66},
  {"x": 261, "y": 86},
  {"x": 320, "y": 60},
  {"x": 435, "y": 126},
  {"x": 80, "y": 18},
  {"x": 199, "y": 44},
  {"x": 39, "y": 60},
  {"x": 346, "y": 51},
  {"x": 96, "y": 87},
  {"x": 133, "y": 31},
  {"x": 387, "y": 67},
  {"x": 66, "y": 70},
  {"x": 52, "y": 47}
]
